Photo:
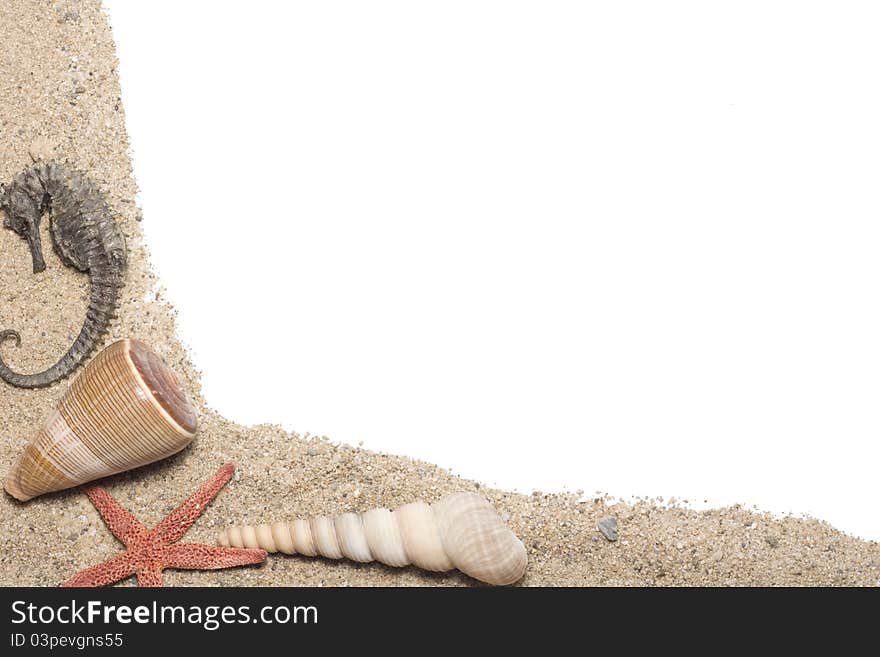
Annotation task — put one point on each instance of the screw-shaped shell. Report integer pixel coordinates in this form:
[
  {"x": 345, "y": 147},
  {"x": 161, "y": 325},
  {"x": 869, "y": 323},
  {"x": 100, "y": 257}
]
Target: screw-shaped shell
[
  {"x": 462, "y": 530},
  {"x": 124, "y": 410}
]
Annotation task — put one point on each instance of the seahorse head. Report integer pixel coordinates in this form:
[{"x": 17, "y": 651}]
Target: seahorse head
[{"x": 23, "y": 211}]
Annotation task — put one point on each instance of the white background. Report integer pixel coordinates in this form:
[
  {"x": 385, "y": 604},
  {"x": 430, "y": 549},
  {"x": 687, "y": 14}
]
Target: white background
[{"x": 628, "y": 247}]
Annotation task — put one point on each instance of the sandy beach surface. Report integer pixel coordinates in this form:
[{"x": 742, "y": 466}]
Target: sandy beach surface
[{"x": 61, "y": 96}]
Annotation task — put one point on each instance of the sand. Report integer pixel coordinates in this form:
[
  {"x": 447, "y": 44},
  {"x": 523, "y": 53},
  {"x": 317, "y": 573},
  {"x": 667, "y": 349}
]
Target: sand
[{"x": 60, "y": 93}]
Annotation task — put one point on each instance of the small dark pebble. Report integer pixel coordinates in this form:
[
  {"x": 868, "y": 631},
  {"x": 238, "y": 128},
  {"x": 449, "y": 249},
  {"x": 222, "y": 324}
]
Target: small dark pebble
[{"x": 608, "y": 527}]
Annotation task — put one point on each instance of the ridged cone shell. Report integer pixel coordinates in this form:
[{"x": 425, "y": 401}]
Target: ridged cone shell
[{"x": 124, "y": 410}]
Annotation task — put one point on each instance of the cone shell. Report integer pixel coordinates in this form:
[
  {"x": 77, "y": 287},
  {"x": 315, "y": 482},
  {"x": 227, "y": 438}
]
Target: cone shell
[{"x": 124, "y": 410}]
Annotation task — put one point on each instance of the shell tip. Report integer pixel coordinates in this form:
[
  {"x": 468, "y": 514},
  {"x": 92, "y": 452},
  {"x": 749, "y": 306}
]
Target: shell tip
[{"x": 13, "y": 489}]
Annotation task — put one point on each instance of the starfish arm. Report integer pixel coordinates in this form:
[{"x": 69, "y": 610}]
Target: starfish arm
[
  {"x": 182, "y": 518},
  {"x": 195, "y": 556},
  {"x": 119, "y": 520},
  {"x": 107, "y": 572},
  {"x": 150, "y": 576}
]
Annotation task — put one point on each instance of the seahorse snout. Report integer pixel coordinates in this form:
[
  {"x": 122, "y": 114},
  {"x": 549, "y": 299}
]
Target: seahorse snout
[{"x": 36, "y": 244}]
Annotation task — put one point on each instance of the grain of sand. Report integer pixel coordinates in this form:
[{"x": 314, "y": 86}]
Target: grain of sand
[{"x": 60, "y": 93}]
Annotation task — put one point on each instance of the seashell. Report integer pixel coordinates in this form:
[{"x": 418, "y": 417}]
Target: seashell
[
  {"x": 124, "y": 410},
  {"x": 462, "y": 531}
]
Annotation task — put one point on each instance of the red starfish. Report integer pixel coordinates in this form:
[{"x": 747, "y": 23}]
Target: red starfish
[{"x": 152, "y": 550}]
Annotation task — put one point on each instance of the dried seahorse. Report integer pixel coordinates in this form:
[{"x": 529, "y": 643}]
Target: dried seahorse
[
  {"x": 85, "y": 237},
  {"x": 462, "y": 531}
]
